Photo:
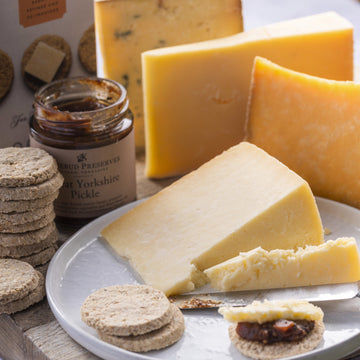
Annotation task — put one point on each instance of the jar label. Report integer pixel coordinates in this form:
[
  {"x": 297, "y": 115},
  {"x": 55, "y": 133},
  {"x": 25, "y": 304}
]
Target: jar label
[{"x": 96, "y": 180}]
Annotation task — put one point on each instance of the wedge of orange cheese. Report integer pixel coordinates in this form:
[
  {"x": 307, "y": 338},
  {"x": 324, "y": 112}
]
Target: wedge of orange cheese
[
  {"x": 195, "y": 95},
  {"x": 311, "y": 124},
  {"x": 333, "y": 262},
  {"x": 239, "y": 200},
  {"x": 126, "y": 28}
]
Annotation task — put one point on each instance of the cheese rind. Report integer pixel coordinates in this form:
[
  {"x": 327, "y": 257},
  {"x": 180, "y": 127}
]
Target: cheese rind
[
  {"x": 310, "y": 124},
  {"x": 329, "y": 263},
  {"x": 239, "y": 200},
  {"x": 126, "y": 28},
  {"x": 195, "y": 95},
  {"x": 272, "y": 310}
]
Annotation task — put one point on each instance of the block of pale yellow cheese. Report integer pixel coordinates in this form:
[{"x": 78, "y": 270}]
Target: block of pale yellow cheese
[
  {"x": 126, "y": 28},
  {"x": 237, "y": 201},
  {"x": 333, "y": 262},
  {"x": 311, "y": 124},
  {"x": 195, "y": 95}
]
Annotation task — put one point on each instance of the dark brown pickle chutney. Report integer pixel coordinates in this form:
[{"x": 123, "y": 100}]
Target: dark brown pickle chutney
[
  {"x": 275, "y": 331},
  {"x": 87, "y": 104},
  {"x": 84, "y": 114},
  {"x": 68, "y": 115}
]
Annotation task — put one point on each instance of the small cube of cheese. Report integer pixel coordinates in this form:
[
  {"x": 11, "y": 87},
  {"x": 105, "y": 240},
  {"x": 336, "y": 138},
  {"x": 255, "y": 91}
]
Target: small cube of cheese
[{"x": 44, "y": 62}]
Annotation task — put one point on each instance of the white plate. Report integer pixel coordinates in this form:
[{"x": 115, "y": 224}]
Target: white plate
[{"x": 84, "y": 264}]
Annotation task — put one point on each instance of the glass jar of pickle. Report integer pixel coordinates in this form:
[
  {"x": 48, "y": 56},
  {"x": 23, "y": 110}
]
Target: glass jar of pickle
[{"x": 86, "y": 124}]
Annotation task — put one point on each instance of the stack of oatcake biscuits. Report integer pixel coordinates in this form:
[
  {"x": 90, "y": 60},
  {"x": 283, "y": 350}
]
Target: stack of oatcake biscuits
[
  {"x": 137, "y": 318},
  {"x": 29, "y": 184}
]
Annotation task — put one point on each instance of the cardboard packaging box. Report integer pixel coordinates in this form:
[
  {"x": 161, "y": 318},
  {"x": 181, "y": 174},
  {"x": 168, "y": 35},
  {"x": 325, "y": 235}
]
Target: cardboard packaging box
[{"x": 49, "y": 38}]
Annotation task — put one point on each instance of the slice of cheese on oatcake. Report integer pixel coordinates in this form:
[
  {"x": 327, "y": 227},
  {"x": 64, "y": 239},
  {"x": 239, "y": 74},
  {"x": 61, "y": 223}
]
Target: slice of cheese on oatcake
[{"x": 261, "y": 312}]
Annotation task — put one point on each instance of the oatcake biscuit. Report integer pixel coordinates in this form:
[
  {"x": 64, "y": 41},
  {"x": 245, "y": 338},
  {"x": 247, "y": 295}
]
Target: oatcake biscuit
[
  {"x": 31, "y": 298},
  {"x": 17, "y": 218},
  {"x": 87, "y": 50},
  {"x": 19, "y": 251},
  {"x": 29, "y": 226},
  {"x": 33, "y": 191},
  {"x": 6, "y": 73},
  {"x": 154, "y": 340},
  {"x": 126, "y": 310},
  {"x": 258, "y": 350},
  {"x": 17, "y": 279},
  {"x": 25, "y": 166},
  {"x": 27, "y": 238},
  {"x": 40, "y": 258},
  {"x": 27, "y": 205},
  {"x": 55, "y": 41}
]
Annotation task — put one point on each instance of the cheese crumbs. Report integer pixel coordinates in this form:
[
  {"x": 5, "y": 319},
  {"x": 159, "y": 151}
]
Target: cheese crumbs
[{"x": 272, "y": 310}]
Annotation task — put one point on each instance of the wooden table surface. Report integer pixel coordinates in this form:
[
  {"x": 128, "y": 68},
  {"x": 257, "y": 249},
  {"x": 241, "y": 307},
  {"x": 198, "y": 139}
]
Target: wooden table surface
[{"x": 34, "y": 334}]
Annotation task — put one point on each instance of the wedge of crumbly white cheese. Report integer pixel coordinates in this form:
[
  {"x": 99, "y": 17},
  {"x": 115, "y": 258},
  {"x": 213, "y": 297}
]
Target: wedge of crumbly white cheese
[
  {"x": 261, "y": 312},
  {"x": 333, "y": 262},
  {"x": 239, "y": 200}
]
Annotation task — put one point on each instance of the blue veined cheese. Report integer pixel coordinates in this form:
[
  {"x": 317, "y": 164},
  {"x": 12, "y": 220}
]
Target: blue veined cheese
[{"x": 124, "y": 29}]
